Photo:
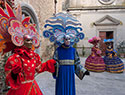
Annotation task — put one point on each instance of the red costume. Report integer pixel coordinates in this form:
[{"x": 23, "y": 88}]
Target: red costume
[
  {"x": 24, "y": 83},
  {"x": 19, "y": 35}
]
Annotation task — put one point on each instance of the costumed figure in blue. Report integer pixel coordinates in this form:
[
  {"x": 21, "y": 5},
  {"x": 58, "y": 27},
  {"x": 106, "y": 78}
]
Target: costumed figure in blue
[
  {"x": 113, "y": 63},
  {"x": 64, "y": 31}
]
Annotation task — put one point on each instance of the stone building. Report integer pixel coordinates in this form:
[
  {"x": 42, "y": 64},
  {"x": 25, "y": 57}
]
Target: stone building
[{"x": 104, "y": 18}]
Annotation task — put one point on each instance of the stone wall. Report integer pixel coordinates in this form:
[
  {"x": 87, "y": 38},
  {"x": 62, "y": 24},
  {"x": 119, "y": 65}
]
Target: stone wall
[
  {"x": 89, "y": 3},
  {"x": 3, "y": 86}
]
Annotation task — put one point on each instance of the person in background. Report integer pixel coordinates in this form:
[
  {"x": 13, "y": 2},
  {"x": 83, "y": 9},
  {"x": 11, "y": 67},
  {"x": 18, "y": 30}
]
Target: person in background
[
  {"x": 95, "y": 62},
  {"x": 113, "y": 63}
]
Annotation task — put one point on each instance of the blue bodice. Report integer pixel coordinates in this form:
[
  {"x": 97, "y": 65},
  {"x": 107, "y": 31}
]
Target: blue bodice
[{"x": 66, "y": 53}]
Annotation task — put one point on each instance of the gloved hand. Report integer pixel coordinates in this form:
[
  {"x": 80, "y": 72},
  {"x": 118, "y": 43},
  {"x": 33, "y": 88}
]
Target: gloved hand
[
  {"x": 51, "y": 61},
  {"x": 16, "y": 69},
  {"x": 51, "y": 65},
  {"x": 87, "y": 73}
]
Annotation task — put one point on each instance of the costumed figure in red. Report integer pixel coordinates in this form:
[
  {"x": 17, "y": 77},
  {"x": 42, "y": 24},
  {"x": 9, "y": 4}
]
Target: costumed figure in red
[
  {"x": 95, "y": 62},
  {"x": 19, "y": 36}
]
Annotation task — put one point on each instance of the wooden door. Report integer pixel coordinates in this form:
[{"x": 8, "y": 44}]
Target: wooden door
[
  {"x": 104, "y": 35},
  {"x": 102, "y": 46}
]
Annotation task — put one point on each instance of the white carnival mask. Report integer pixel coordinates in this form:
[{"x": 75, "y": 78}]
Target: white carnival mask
[{"x": 67, "y": 40}]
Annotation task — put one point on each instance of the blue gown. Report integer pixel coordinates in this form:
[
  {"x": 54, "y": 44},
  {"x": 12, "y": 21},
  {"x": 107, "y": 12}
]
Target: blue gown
[
  {"x": 67, "y": 59},
  {"x": 113, "y": 63}
]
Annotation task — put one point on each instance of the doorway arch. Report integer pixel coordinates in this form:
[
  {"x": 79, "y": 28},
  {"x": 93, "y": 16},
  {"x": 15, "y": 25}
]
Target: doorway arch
[{"x": 27, "y": 10}]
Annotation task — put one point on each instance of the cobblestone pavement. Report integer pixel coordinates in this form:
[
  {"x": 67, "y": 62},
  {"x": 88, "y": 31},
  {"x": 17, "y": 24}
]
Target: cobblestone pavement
[{"x": 96, "y": 84}]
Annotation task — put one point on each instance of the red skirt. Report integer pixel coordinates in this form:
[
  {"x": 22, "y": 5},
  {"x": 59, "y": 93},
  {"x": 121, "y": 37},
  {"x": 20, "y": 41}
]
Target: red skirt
[{"x": 30, "y": 88}]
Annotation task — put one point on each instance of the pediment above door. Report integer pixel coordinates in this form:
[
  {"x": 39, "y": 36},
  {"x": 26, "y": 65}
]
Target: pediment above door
[{"x": 107, "y": 21}]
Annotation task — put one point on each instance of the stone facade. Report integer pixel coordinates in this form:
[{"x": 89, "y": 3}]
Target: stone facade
[{"x": 90, "y": 12}]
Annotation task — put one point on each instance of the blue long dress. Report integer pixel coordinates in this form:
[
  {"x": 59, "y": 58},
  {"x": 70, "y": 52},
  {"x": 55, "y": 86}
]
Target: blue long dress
[
  {"x": 67, "y": 58},
  {"x": 113, "y": 63}
]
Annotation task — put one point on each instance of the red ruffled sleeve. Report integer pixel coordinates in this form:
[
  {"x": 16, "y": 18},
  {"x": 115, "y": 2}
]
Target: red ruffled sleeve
[
  {"x": 11, "y": 62},
  {"x": 47, "y": 66}
]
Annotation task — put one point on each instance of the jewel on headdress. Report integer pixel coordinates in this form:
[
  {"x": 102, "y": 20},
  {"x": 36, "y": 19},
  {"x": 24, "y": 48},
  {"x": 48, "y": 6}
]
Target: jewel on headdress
[{"x": 27, "y": 37}]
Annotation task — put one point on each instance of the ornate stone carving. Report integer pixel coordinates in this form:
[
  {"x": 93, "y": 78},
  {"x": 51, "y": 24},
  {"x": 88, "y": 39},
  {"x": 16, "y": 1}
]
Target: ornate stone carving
[{"x": 106, "y": 2}]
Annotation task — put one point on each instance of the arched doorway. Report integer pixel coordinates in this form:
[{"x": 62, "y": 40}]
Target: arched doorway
[{"x": 29, "y": 11}]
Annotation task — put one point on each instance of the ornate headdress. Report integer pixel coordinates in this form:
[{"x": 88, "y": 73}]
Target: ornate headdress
[
  {"x": 94, "y": 40},
  {"x": 13, "y": 28},
  {"x": 60, "y": 25}
]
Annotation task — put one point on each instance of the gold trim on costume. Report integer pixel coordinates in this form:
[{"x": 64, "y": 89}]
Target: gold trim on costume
[
  {"x": 30, "y": 89},
  {"x": 27, "y": 81},
  {"x": 115, "y": 68},
  {"x": 109, "y": 49},
  {"x": 114, "y": 65},
  {"x": 119, "y": 71},
  {"x": 35, "y": 90},
  {"x": 95, "y": 67},
  {"x": 96, "y": 48},
  {"x": 38, "y": 68},
  {"x": 95, "y": 64},
  {"x": 66, "y": 62},
  {"x": 95, "y": 70}
]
